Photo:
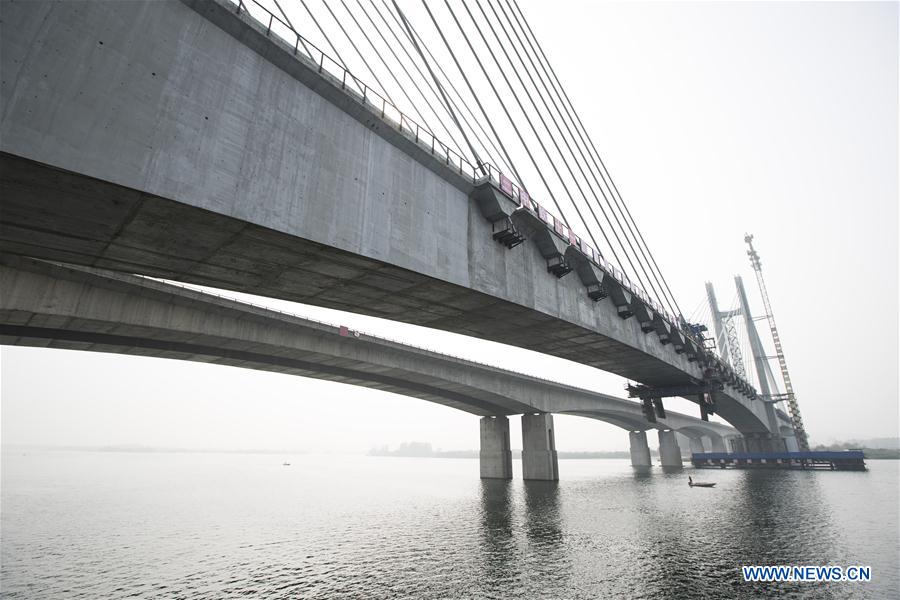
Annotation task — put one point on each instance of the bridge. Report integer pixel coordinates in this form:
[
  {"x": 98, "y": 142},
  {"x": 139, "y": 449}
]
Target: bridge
[
  {"x": 80, "y": 308},
  {"x": 188, "y": 140}
]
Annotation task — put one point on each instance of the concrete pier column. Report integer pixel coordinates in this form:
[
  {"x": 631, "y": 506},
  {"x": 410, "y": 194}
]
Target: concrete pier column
[
  {"x": 669, "y": 452},
  {"x": 779, "y": 444},
  {"x": 683, "y": 441},
  {"x": 696, "y": 445},
  {"x": 640, "y": 450},
  {"x": 717, "y": 443},
  {"x": 495, "y": 456},
  {"x": 790, "y": 443},
  {"x": 751, "y": 443},
  {"x": 762, "y": 442},
  {"x": 736, "y": 444},
  {"x": 539, "y": 458}
]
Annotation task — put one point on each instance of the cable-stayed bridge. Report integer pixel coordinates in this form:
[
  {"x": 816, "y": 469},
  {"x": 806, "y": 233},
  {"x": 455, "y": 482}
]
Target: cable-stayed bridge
[{"x": 209, "y": 142}]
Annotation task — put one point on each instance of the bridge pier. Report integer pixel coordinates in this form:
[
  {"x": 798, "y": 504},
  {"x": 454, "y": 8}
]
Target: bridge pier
[
  {"x": 696, "y": 445},
  {"x": 640, "y": 450},
  {"x": 669, "y": 452},
  {"x": 495, "y": 457},
  {"x": 763, "y": 443},
  {"x": 717, "y": 443},
  {"x": 539, "y": 457},
  {"x": 752, "y": 444},
  {"x": 736, "y": 444},
  {"x": 790, "y": 443}
]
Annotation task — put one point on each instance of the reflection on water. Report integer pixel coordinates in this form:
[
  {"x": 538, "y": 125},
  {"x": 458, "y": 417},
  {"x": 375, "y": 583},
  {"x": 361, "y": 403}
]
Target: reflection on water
[
  {"x": 206, "y": 526},
  {"x": 497, "y": 532},
  {"x": 542, "y": 518},
  {"x": 773, "y": 505},
  {"x": 550, "y": 562}
]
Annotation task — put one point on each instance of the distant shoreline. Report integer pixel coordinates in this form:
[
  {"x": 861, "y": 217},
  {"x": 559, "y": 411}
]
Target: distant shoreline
[
  {"x": 516, "y": 454},
  {"x": 879, "y": 454},
  {"x": 149, "y": 450},
  {"x": 402, "y": 452},
  {"x": 471, "y": 454}
]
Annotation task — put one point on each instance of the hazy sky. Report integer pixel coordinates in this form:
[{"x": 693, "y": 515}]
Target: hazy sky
[{"x": 714, "y": 118}]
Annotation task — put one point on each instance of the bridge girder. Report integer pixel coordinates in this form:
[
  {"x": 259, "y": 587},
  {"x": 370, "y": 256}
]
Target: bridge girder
[{"x": 87, "y": 309}]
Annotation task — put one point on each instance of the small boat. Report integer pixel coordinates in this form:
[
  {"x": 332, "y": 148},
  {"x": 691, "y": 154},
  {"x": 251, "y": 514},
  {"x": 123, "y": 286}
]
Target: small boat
[
  {"x": 286, "y": 464},
  {"x": 692, "y": 483}
]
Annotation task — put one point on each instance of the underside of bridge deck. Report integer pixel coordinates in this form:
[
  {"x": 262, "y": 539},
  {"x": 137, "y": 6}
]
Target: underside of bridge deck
[
  {"x": 58, "y": 306},
  {"x": 56, "y": 215}
]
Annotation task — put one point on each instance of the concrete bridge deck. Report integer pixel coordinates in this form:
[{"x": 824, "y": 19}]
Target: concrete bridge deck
[
  {"x": 63, "y": 306},
  {"x": 67, "y": 307},
  {"x": 177, "y": 140}
]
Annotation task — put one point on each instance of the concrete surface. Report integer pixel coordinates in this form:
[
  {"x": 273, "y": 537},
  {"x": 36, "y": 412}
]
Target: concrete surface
[
  {"x": 149, "y": 137},
  {"x": 495, "y": 455},
  {"x": 696, "y": 445},
  {"x": 669, "y": 451},
  {"x": 78, "y": 308},
  {"x": 717, "y": 444},
  {"x": 640, "y": 450},
  {"x": 539, "y": 457}
]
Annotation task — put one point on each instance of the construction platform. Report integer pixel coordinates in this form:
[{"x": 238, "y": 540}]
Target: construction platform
[{"x": 848, "y": 460}]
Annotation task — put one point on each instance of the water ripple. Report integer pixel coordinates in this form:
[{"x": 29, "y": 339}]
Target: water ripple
[{"x": 81, "y": 525}]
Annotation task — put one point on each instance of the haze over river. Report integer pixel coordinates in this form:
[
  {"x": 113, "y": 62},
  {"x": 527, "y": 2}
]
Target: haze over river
[{"x": 191, "y": 525}]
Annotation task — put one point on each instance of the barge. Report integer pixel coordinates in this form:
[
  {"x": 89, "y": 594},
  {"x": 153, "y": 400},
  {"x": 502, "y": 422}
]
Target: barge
[{"x": 848, "y": 460}]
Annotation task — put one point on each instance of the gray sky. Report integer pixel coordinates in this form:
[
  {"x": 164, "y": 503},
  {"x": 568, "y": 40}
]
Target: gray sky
[{"x": 714, "y": 118}]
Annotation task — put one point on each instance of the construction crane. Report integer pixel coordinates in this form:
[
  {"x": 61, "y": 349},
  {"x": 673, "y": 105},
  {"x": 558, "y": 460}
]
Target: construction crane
[{"x": 793, "y": 408}]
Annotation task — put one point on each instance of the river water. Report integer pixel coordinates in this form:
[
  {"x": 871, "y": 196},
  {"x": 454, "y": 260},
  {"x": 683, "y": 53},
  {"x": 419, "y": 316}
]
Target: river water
[{"x": 190, "y": 525}]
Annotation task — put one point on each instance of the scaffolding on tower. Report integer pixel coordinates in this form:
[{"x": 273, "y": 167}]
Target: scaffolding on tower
[
  {"x": 793, "y": 408},
  {"x": 727, "y": 339}
]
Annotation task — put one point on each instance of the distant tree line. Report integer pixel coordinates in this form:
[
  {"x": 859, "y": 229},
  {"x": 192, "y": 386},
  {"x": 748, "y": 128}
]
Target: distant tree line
[{"x": 873, "y": 453}]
